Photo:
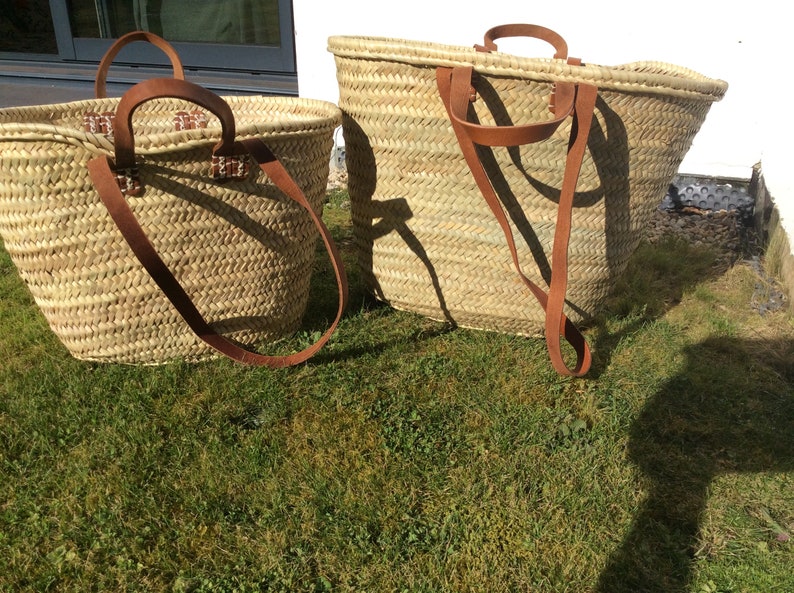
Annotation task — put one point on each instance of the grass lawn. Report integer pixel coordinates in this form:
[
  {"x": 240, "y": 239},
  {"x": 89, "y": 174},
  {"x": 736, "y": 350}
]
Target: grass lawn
[{"x": 408, "y": 456}]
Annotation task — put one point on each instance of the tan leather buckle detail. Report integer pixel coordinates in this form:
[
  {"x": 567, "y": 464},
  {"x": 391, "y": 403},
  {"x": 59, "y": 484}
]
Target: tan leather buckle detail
[
  {"x": 472, "y": 88},
  {"x": 99, "y": 123},
  {"x": 224, "y": 168},
  {"x": 128, "y": 181},
  {"x": 190, "y": 121}
]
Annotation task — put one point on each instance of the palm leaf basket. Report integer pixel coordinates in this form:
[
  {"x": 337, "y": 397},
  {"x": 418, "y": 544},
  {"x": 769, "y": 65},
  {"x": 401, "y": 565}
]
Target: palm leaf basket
[
  {"x": 242, "y": 251},
  {"x": 426, "y": 240}
]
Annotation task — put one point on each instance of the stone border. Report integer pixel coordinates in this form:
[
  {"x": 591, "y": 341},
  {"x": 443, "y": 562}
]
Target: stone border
[{"x": 771, "y": 234}]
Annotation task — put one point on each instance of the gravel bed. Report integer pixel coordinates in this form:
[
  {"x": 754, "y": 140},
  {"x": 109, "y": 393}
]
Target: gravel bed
[
  {"x": 728, "y": 232},
  {"x": 721, "y": 231},
  {"x": 725, "y": 231}
]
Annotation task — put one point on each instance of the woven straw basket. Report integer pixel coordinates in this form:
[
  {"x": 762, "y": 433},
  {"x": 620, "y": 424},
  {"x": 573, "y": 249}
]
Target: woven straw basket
[
  {"x": 426, "y": 239},
  {"x": 241, "y": 250}
]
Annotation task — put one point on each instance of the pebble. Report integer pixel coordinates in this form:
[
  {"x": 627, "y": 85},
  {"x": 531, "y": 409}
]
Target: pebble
[{"x": 337, "y": 178}]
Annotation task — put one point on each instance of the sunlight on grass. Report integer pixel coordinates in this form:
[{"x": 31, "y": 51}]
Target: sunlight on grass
[{"x": 408, "y": 456}]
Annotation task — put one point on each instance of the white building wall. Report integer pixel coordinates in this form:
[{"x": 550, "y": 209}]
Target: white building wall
[{"x": 743, "y": 43}]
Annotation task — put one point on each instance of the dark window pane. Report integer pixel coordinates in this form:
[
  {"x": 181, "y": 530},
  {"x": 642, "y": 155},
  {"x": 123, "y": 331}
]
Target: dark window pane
[
  {"x": 243, "y": 22},
  {"x": 102, "y": 19},
  {"x": 26, "y": 27}
]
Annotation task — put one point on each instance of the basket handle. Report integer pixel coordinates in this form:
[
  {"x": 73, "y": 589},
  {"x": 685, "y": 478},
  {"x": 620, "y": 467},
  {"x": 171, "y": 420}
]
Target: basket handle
[
  {"x": 454, "y": 85},
  {"x": 107, "y": 186},
  {"x": 524, "y": 30},
  {"x": 559, "y": 89},
  {"x": 562, "y": 105},
  {"x": 176, "y": 89},
  {"x": 100, "y": 90}
]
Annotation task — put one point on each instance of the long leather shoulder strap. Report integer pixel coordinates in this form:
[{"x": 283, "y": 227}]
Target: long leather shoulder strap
[
  {"x": 454, "y": 85},
  {"x": 106, "y": 186}
]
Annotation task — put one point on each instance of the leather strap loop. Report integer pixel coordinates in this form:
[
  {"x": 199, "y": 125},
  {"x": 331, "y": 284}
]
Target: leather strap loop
[
  {"x": 524, "y": 30},
  {"x": 105, "y": 184},
  {"x": 100, "y": 90},
  {"x": 557, "y": 324},
  {"x": 177, "y": 89},
  {"x": 453, "y": 85},
  {"x": 506, "y": 135},
  {"x": 552, "y": 38}
]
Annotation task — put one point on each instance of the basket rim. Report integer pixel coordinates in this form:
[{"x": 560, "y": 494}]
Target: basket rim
[
  {"x": 34, "y": 123},
  {"x": 648, "y": 77}
]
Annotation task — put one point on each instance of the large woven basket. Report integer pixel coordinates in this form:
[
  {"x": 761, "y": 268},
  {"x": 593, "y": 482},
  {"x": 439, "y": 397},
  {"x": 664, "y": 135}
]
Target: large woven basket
[
  {"x": 242, "y": 250},
  {"x": 427, "y": 241}
]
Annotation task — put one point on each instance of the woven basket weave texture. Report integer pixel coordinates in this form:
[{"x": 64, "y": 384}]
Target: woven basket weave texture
[
  {"x": 427, "y": 241},
  {"x": 242, "y": 250}
]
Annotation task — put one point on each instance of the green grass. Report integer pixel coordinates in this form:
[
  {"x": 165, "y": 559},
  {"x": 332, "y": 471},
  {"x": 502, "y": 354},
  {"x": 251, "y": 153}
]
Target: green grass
[{"x": 410, "y": 457}]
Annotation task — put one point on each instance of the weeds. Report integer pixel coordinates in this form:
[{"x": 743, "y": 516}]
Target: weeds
[{"x": 411, "y": 457}]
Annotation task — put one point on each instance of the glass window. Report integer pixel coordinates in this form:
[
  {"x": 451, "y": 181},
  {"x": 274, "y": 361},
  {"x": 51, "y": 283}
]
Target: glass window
[
  {"x": 241, "y": 22},
  {"x": 248, "y": 36},
  {"x": 26, "y": 27}
]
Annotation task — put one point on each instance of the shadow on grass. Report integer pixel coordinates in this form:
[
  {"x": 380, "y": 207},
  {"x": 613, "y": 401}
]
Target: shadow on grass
[
  {"x": 657, "y": 278},
  {"x": 730, "y": 410}
]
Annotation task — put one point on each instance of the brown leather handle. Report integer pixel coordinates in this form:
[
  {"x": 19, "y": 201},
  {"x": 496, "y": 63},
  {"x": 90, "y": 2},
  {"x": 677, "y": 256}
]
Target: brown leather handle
[
  {"x": 454, "y": 88},
  {"x": 178, "y": 89},
  {"x": 524, "y": 30},
  {"x": 517, "y": 135},
  {"x": 100, "y": 90},
  {"x": 561, "y": 92},
  {"x": 561, "y": 102},
  {"x": 104, "y": 180}
]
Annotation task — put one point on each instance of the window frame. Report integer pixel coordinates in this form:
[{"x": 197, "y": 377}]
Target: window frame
[{"x": 198, "y": 56}]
